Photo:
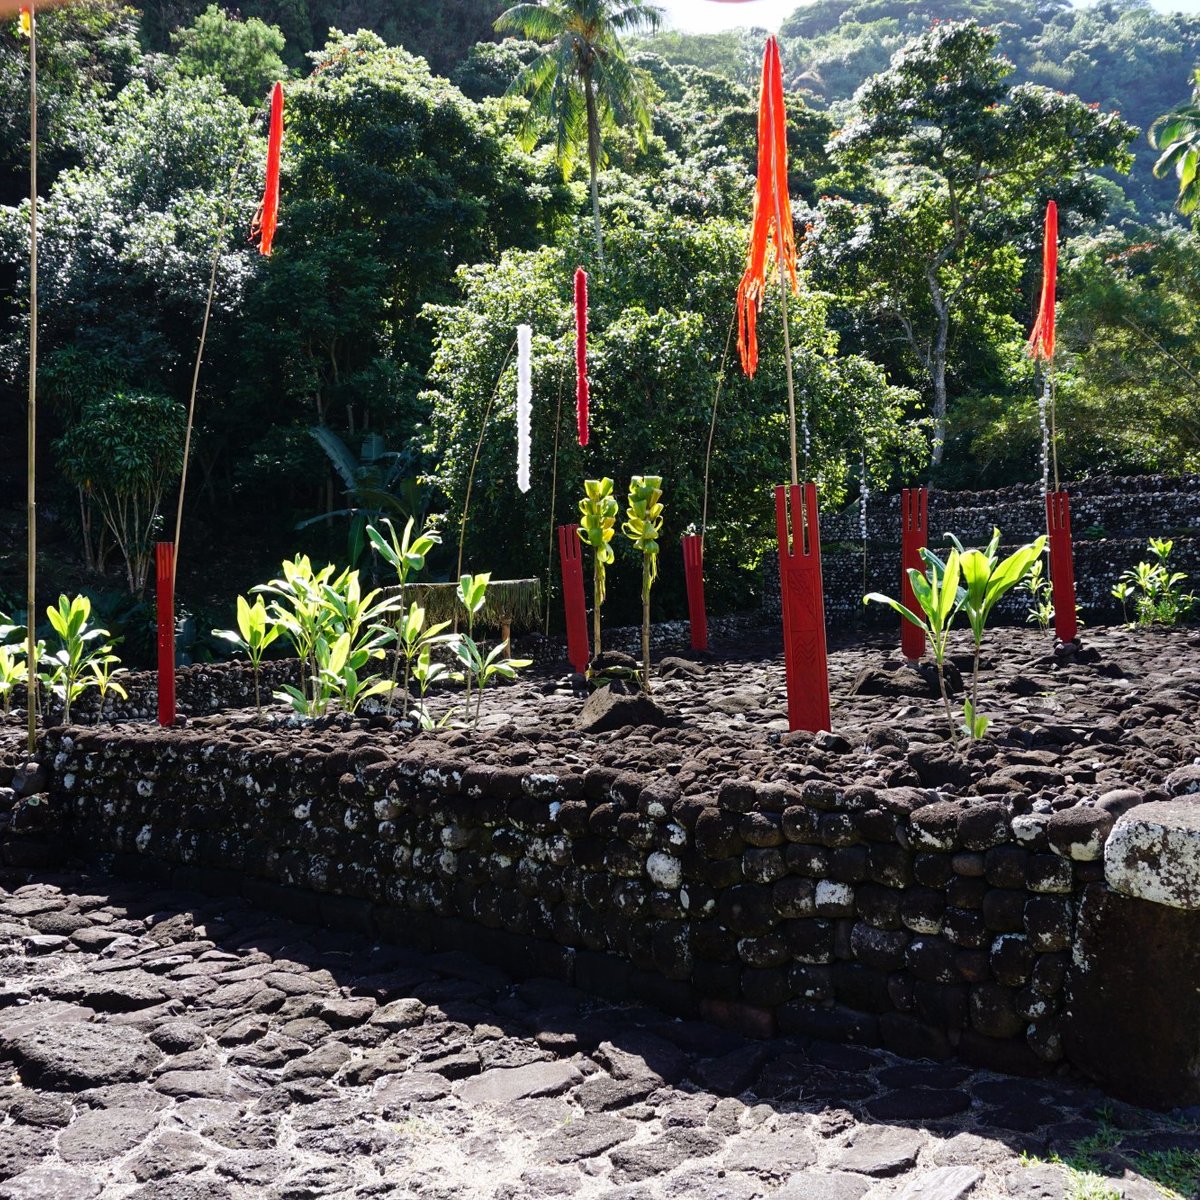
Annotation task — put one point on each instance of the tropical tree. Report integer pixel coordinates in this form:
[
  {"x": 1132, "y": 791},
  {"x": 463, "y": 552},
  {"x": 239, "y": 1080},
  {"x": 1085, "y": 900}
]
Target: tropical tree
[
  {"x": 1177, "y": 135},
  {"x": 582, "y": 83},
  {"x": 965, "y": 163}
]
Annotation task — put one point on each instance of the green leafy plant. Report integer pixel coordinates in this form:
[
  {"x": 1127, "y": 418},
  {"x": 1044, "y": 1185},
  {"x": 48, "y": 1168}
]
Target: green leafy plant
[
  {"x": 406, "y": 555},
  {"x": 1041, "y": 597},
  {"x": 415, "y": 644},
  {"x": 988, "y": 579},
  {"x": 69, "y": 670},
  {"x": 336, "y": 632},
  {"x": 643, "y": 525},
  {"x": 1123, "y": 591},
  {"x": 426, "y": 672},
  {"x": 598, "y": 511},
  {"x": 479, "y": 669},
  {"x": 254, "y": 636},
  {"x": 106, "y": 671},
  {"x": 12, "y": 675},
  {"x": 939, "y": 599},
  {"x": 1155, "y": 589}
]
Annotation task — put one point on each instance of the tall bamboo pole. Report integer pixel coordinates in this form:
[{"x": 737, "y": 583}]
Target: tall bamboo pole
[{"x": 31, "y": 450}]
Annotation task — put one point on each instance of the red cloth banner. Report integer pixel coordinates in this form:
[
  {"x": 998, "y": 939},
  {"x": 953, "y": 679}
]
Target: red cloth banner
[
  {"x": 1041, "y": 340},
  {"x": 772, "y": 221},
  {"x": 914, "y": 537},
  {"x": 582, "y": 388},
  {"x": 803, "y": 607},
  {"x": 693, "y": 567},
  {"x": 267, "y": 219},
  {"x": 570, "y": 554}
]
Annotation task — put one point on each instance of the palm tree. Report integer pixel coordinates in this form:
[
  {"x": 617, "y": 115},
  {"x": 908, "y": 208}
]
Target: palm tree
[
  {"x": 582, "y": 82},
  {"x": 1177, "y": 135}
]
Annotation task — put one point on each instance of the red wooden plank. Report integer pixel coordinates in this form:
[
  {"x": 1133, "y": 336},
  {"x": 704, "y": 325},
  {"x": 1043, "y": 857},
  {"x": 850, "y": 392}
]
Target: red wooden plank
[
  {"x": 803, "y": 607},
  {"x": 1062, "y": 565},
  {"x": 693, "y": 566},
  {"x": 570, "y": 553},
  {"x": 165, "y": 594},
  {"x": 914, "y": 517}
]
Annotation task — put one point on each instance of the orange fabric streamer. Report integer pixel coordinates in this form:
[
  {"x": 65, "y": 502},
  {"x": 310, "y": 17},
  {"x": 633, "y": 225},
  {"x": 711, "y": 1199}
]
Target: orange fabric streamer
[
  {"x": 268, "y": 213},
  {"x": 1041, "y": 340},
  {"x": 772, "y": 221}
]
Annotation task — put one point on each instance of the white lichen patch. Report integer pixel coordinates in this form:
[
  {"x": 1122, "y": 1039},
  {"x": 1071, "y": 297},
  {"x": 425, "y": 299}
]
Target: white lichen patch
[{"x": 664, "y": 871}]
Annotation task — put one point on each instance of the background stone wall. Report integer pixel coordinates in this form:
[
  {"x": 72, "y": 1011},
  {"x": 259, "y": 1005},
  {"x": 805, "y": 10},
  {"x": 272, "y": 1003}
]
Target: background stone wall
[
  {"x": 874, "y": 915},
  {"x": 1112, "y": 519}
]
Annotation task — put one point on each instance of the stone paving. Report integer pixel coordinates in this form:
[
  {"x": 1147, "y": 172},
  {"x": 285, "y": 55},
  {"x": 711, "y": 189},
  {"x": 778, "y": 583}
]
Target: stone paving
[{"x": 159, "y": 1046}]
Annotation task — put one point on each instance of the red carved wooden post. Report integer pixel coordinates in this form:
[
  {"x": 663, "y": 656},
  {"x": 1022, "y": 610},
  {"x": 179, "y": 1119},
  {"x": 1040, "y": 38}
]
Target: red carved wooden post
[
  {"x": 570, "y": 554},
  {"x": 803, "y": 608},
  {"x": 693, "y": 566},
  {"x": 914, "y": 519},
  {"x": 1062, "y": 565},
  {"x": 165, "y": 591}
]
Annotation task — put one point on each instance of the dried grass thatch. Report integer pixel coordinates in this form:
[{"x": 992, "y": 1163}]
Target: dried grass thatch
[{"x": 512, "y": 604}]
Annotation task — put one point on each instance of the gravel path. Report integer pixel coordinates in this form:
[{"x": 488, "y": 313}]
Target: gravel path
[{"x": 169, "y": 1047}]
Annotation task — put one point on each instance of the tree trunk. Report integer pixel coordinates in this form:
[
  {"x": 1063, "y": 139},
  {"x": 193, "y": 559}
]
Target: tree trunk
[{"x": 593, "y": 120}]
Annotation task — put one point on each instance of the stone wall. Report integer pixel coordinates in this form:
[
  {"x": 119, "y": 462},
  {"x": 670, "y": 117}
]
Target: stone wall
[
  {"x": 934, "y": 927},
  {"x": 1112, "y": 519}
]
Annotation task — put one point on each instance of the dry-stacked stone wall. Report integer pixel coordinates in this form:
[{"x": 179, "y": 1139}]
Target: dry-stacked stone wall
[
  {"x": 878, "y": 915},
  {"x": 1112, "y": 520}
]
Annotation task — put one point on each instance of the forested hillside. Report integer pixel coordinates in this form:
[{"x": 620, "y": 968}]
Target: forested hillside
[
  {"x": 1122, "y": 55},
  {"x": 359, "y": 370}
]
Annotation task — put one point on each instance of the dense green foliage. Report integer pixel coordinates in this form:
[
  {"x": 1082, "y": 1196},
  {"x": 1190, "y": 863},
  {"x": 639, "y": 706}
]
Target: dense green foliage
[{"x": 426, "y": 212}]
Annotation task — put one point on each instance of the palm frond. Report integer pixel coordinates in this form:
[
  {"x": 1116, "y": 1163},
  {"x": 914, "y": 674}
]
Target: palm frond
[
  {"x": 538, "y": 22},
  {"x": 637, "y": 17}
]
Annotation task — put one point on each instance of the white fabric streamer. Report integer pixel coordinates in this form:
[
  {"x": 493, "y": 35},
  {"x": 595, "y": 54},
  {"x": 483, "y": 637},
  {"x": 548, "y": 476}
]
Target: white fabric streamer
[{"x": 524, "y": 403}]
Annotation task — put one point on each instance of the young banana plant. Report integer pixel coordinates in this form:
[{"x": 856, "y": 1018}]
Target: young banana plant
[
  {"x": 939, "y": 598},
  {"x": 988, "y": 579},
  {"x": 254, "y": 636},
  {"x": 598, "y": 511},
  {"x": 643, "y": 525},
  {"x": 406, "y": 555}
]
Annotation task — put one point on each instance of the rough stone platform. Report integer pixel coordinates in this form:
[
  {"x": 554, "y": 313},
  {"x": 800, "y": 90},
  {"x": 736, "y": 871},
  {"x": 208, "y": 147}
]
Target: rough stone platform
[{"x": 160, "y": 1046}]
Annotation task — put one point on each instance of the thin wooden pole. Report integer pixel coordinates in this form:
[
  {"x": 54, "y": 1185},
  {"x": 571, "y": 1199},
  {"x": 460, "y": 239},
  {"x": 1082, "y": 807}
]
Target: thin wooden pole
[
  {"x": 31, "y": 663},
  {"x": 554, "y": 497},
  {"x": 208, "y": 305},
  {"x": 487, "y": 412},
  {"x": 712, "y": 429}
]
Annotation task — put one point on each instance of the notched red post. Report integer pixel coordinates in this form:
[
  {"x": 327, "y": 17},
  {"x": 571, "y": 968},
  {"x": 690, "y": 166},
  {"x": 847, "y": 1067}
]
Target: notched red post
[
  {"x": 803, "y": 594},
  {"x": 914, "y": 517},
  {"x": 165, "y": 595},
  {"x": 1062, "y": 565},
  {"x": 693, "y": 566},
  {"x": 570, "y": 554}
]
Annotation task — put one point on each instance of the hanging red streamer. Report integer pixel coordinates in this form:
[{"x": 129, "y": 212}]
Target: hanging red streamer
[
  {"x": 772, "y": 223},
  {"x": 1041, "y": 340},
  {"x": 582, "y": 391},
  {"x": 268, "y": 213}
]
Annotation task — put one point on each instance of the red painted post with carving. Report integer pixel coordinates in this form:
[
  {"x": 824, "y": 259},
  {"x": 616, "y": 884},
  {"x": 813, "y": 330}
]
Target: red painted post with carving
[
  {"x": 1062, "y": 565},
  {"x": 570, "y": 554},
  {"x": 803, "y": 608},
  {"x": 165, "y": 592},
  {"x": 914, "y": 519},
  {"x": 693, "y": 567}
]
